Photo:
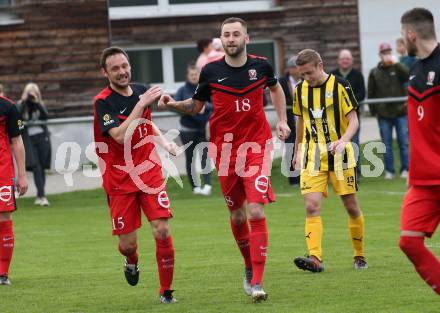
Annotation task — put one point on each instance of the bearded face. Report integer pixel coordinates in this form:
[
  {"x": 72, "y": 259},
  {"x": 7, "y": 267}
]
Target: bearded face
[
  {"x": 118, "y": 71},
  {"x": 409, "y": 41},
  {"x": 234, "y": 39}
]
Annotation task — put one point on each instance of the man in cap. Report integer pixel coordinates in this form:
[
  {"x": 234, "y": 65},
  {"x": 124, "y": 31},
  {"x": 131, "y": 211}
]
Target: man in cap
[
  {"x": 355, "y": 77},
  {"x": 388, "y": 80}
]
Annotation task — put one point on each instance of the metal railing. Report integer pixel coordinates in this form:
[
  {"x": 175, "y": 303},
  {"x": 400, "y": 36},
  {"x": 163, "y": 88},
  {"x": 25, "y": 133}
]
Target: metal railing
[{"x": 269, "y": 108}]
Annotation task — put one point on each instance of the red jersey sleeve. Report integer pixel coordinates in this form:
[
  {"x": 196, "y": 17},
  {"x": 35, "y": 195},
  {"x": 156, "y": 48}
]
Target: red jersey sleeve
[{"x": 107, "y": 116}]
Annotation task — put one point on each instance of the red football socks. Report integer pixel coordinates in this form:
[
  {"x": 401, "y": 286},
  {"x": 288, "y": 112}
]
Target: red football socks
[
  {"x": 258, "y": 248},
  {"x": 426, "y": 264},
  {"x": 132, "y": 258},
  {"x": 241, "y": 235},
  {"x": 165, "y": 262},
  {"x": 6, "y": 246}
]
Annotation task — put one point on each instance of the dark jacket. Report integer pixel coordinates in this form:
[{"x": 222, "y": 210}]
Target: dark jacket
[
  {"x": 408, "y": 60},
  {"x": 198, "y": 121},
  {"x": 30, "y": 112},
  {"x": 356, "y": 80},
  {"x": 284, "y": 82},
  {"x": 386, "y": 82}
]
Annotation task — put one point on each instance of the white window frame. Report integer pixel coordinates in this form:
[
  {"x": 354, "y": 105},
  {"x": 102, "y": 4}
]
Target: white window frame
[
  {"x": 9, "y": 18},
  {"x": 169, "y": 84},
  {"x": 165, "y": 9}
]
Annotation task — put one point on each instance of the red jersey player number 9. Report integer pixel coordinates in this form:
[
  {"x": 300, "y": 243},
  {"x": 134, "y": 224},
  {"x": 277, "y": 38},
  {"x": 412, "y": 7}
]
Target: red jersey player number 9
[{"x": 420, "y": 113}]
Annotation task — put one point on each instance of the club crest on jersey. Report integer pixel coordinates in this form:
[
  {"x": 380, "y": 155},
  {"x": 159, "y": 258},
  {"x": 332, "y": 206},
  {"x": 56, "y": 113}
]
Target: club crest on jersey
[
  {"x": 252, "y": 74},
  {"x": 431, "y": 77},
  {"x": 5, "y": 193},
  {"x": 317, "y": 113},
  {"x": 107, "y": 120},
  {"x": 20, "y": 124},
  {"x": 262, "y": 183},
  {"x": 328, "y": 94},
  {"x": 163, "y": 200}
]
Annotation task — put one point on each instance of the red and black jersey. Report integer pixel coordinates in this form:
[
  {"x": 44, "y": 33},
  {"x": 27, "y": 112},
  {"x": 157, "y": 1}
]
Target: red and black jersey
[
  {"x": 237, "y": 96},
  {"x": 423, "y": 120},
  {"x": 111, "y": 110},
  {"x": 10, "y": 127}
]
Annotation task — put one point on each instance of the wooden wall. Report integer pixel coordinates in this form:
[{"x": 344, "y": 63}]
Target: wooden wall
[
  {"x": 59, "y": 44},
  {"x": 58, "y": 47},
  {"x": 324, "y": 25}
]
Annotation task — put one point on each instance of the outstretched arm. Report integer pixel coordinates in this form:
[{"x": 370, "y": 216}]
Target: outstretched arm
[
  {"x": 145, "y": 100},
  {"x": 189, "y": 106}
]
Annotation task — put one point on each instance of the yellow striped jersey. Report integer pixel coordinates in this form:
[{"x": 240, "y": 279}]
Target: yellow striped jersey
[{"x": 324, "y": 111}]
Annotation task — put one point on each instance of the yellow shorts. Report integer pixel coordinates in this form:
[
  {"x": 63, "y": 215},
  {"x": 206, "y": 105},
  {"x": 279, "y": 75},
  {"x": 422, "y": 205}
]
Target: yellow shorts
[{"x": 344, "y": 181}]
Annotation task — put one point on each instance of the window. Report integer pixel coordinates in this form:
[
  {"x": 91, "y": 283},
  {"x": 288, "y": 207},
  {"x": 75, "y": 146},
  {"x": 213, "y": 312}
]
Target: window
[
  {"x": 126, "y": 9},
  {"x": 198, "y": 1},
  {"x": 146, "y": 66},
  {"x": 7, "y": 17},
  {"x": 166, "y": 65},
  {"x": 129, "y": 3},
  {"x": 263, "y": 49},
  {"x": 4, "y": 3},
  {"x": 181, "y": 58}
]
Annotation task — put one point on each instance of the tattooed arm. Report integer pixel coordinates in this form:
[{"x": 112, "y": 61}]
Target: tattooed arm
[{"x": 189, "y": 106}]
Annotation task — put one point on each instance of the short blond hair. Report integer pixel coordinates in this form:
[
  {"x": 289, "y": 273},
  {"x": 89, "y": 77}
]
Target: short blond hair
[{"x": 308, "y": 56}]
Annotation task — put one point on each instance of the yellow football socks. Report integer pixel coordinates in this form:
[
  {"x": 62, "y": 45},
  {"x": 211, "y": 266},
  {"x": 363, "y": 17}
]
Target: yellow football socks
[
  {"x": 357, "y": 230},
  {"x": 313, "y": 233}
]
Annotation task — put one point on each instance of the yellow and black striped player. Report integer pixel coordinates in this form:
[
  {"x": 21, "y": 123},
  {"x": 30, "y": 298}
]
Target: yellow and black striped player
[
  {"x": 326, "y": 121},
  {"x": 324, "y": 111}
]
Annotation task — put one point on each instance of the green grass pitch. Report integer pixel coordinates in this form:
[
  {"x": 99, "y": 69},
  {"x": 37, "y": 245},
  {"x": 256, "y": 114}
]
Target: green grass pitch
[{"x": 66, "y": 260}]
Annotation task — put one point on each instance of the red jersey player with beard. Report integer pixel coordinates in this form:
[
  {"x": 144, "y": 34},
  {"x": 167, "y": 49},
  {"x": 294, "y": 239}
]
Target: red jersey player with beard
[
  {"x": 11, "y": 144},
  {"x": 421, "y": 207},
  {"x": 131, "y": 169},
  {"x": 241, "y": 141}
]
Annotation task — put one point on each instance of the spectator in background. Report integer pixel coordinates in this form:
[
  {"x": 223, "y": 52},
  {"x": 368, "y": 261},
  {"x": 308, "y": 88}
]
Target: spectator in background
[
  {"x": 204, "y": 46},
  {"x": 36, "y": 138},
  {"x": 193, "y": 128},
  {"x": 356, "y": 79},
  {"x": 288, "y": 83},
  {"x": 217, "y": 51},
  {"x": 387, "y": 80},
  {"x": 404, "y": 58},
  {"x": 2, "y": 91}
]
